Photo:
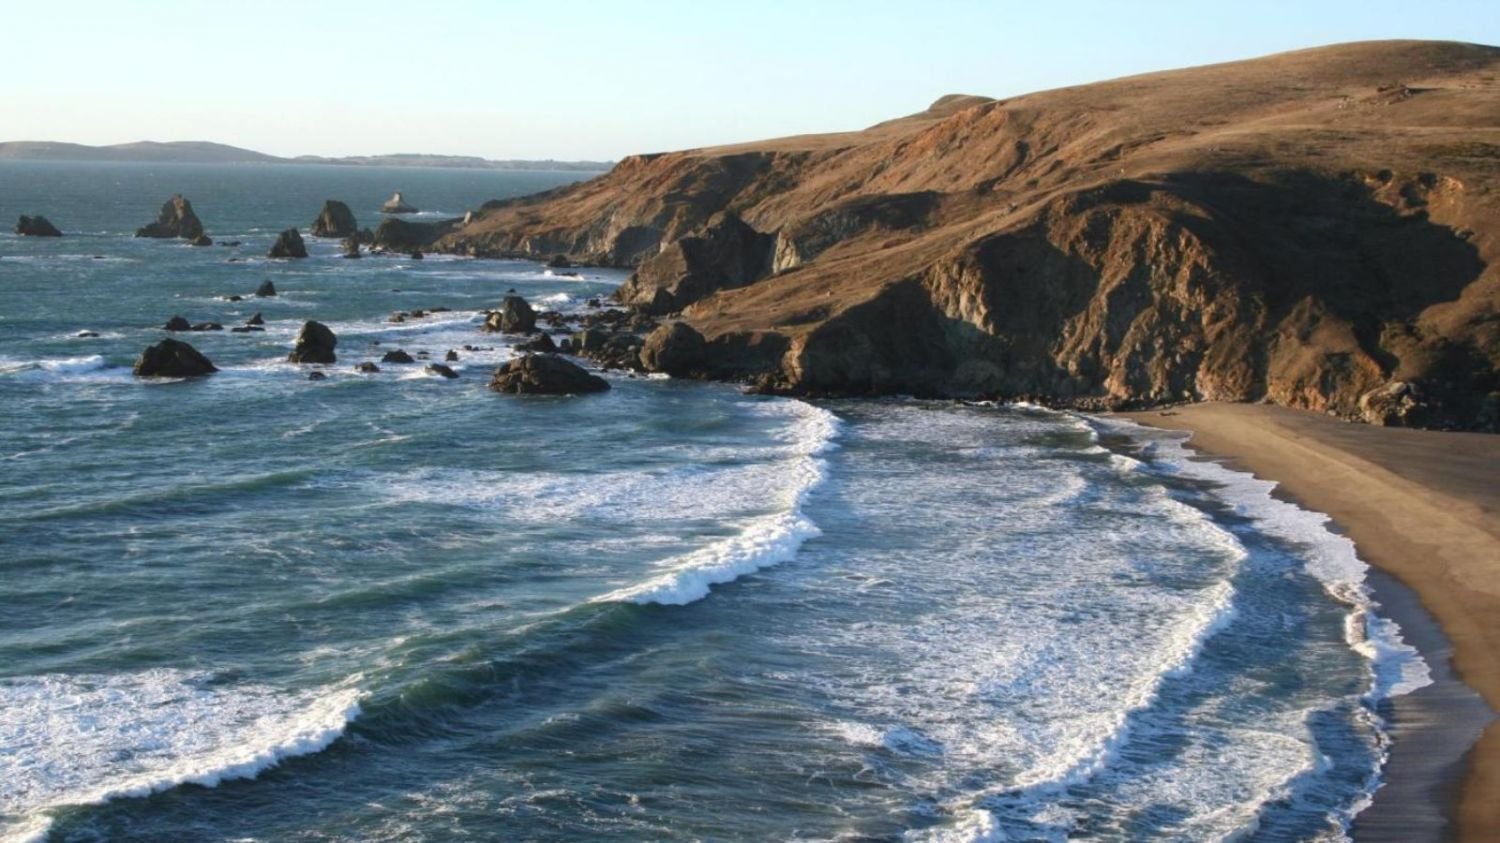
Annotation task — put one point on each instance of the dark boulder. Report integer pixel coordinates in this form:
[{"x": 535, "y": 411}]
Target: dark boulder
[
  {"x": 451, "y": 356},
  {"x": 366, "y": 367},
  {"x": 515, "y": 316},
  {"x": 175, "y": 220},
  {"x": 676, "y": 349},
  {"x": 172, "y": 359},
  {"x": 560, "y": 262},
  {"x": 397, "y": 204},
  {"x": 336, "y": 220},
  {"x": 316, "y": 376},
  {"x": 417, "y": 255},
  {"x": 397, "y": 356},
  {"x": 542, "y": 343},
  {"x": 247, "y": 329},
  {"x": 177, "y": 323},
  {"x": 86, "y": 334},
  {"x": 201, "y": 240},
  {"x": 208, "y": 326},
  {"x": 266, "y": 289},
  {"x": 288, "y": 245},
  {"x": 255, "y": 319},
  {"x": 315, "y": 344},
  {"x": 234, "y": 298},
  {"x": 37, "y": 226},
  {"x": 440, "y": 369},
  {"x": 351, "y": 247},
  {"x": 545, "y": 374}
]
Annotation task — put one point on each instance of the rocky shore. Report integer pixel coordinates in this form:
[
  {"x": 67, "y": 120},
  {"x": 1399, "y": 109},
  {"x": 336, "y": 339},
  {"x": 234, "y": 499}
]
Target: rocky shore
[{"x": 1315, "y": 229}]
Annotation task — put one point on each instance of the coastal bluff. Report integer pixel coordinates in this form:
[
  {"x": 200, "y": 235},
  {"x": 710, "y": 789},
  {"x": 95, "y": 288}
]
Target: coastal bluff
[{"x": 1318, "y": 229}]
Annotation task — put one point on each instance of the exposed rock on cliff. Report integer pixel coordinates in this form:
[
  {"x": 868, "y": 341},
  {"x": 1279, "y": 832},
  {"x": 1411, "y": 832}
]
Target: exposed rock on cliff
[
  {"x": 1279, "y": 229},
  {"x": 172, "y": 359},
  {"x": 37, "y": 226},
  {"x": 336, "y": 220},
  {"x": 175, "y": 220},
  {"x": 288, "y": 245}
]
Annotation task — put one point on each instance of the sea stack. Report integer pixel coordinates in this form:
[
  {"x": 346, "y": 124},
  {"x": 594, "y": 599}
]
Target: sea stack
[
  {"x": 172, "y": 359},
  {"x": 397, "y": 205},
  {"x": 288, "y": 245},
  {"x": 37, "y": 226},
  {"x": 336, "y": 220},
  {"x": 175, "y": 220},
  {"x": 545, "y": 374},
  {"x": 515, "y": 316},
  {"x": 315, "y": 344}
]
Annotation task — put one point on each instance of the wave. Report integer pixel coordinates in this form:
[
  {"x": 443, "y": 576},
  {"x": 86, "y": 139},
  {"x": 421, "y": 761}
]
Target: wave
[
  {"x": 88, "y": 367},
  {"x": 766, "y": 541},
  {"x": 88, "y": 739}
]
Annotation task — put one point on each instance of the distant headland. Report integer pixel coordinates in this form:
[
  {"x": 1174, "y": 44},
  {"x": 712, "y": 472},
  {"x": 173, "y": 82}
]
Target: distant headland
[{"x": 205, "y": 152}]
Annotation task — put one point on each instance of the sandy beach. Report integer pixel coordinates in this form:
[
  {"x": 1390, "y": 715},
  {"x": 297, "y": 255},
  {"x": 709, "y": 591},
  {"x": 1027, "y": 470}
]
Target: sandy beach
[{"x": 1424, "y": 508}]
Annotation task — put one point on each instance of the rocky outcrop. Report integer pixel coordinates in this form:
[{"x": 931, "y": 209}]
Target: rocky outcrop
[
  {"x": 37, "y": 226},
  {"x": 175, "y": 220},
  {"x": 266, "y": 289},
  {"x": 515, "y": 316},
  {"x": 1170, "y": 237},
  {"x": 397, "y": 205},
  {"x": 335, "y": 220},
  {"x": 545, "y": 374},
  {"x": 201, "y": 240},
  {"x": 315, "y": 344},
  {"x": 351, "y": 247},
  {"x": 724, "y": 254},
  {"x": 440, "y": 370},
  {"x": 401, "y": 236},
  {"x": 177, "y": 323},
  {"x": 288, "y": 245},
  {"x": 676, "y": 349},
  {"x": 397, "y": 356},
  {"x": 172, "y": 359}
]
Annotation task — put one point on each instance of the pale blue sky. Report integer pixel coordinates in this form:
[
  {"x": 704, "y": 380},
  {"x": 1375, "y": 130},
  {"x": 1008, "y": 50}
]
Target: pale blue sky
[{"x": 573, "y": 79}]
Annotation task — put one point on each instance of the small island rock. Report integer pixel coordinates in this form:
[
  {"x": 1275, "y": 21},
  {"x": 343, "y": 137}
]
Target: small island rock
[
  {"x": 315, "y": 344},
  {"x": 175, "y": 220},
  {"x": 172, "y": 359},
  {"x": 288, "y": 245},
  {"x": 515, "y": 316},
  {"x": 37, "y": 226},
  {"x": 545, "y": 374},
  {"x": 336, "y": 220},
  {"x": 397, "y": 205},
  {"x": 266, "y": 289}
]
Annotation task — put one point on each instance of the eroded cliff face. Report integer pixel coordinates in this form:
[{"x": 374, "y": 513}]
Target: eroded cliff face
[{"x": 1292, "y": 229}]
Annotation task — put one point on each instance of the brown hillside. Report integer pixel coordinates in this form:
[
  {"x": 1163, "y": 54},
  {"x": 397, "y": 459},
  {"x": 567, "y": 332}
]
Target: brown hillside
[{"x": 1317, "y": 228}]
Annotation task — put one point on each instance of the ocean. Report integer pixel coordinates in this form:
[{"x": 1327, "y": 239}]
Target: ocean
[{"x": 397, "y": 607}]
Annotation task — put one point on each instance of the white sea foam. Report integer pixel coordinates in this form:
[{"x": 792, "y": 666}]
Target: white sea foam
[
  {"x": 91, "y": 367},
  {"x": 1397, "y": 668},
  {"x": 765, "y": 541},
  {"x": 87, "y": 739}
]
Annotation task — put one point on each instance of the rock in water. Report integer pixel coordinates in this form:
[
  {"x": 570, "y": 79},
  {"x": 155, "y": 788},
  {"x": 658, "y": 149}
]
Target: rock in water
[
  {"x": 175, "y": 220},
  {"x": 37, "y": 226},
  {"x": 366, "y": 367},
  {"x": 172, "y": 359},
  {"x": 177, "y": 323},
  {"x": 336, "y": 220},
  {"x": 266, "y": 289},
  {"x": 351, "y": 246},
  {"x": 676, "y": 349},
  {"x": 440, "y": 369},
  {"x": 543, "y": 343},
  {"x": 559, "y": 262},
  {"x": 515, "y": 316},
  {"x": 545, "y": 374},
  {"x": 315, "y": 344},
  {"x": 257, "y": 319},
  {"x": 397, "y": 356},
  {"x": 202, "y": 240},
  {"x": 397, "y": 205},
  {"x": 288, "y": 245}
]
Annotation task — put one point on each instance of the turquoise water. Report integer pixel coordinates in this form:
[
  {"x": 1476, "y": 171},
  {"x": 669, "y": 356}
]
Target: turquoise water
[{"x": 398, "y": 607}]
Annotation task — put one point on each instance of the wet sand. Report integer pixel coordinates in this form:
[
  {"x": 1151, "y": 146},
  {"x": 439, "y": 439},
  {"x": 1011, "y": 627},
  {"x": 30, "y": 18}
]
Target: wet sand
[{"x": 1423, "y": 507}]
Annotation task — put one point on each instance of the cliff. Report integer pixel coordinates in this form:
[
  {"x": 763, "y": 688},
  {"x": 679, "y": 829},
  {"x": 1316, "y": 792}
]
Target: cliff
[{"x": 1317, "y": 229}]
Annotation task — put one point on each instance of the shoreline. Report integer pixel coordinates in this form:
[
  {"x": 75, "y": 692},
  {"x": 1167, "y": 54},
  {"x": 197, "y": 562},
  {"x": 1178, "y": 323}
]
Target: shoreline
[{"x": 1419, "y": 508}]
